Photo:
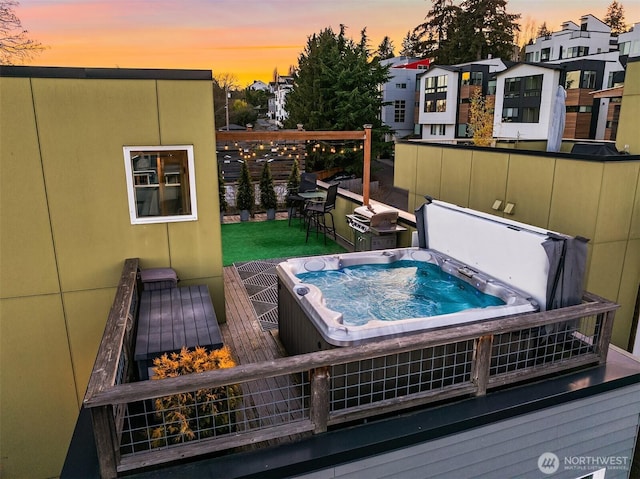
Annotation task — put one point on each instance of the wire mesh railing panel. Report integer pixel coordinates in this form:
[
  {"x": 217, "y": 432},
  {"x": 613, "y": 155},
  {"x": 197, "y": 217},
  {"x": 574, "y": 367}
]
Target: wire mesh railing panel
[
  {"x": 204, "y": 414},
  {"x": 544, "y": 345},
  {"x": 386, "y": 377}
]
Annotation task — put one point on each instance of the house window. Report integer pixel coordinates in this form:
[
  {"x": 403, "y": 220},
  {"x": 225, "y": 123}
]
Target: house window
[
  {"x": 399, "y": 111},
  {"x": 545, "y": 54},
  {"x": 438, "y": 130},
  {"x": 160, "y": 183},
  {"x": 512, "y": 87},
  {"x": 402, "y": 86},
  {"x": 430, "y": 85},
  {"x": 533, "y": 85},
  {"x": 472, "y": 78},
  {"x": 509, "y": 114},
  {"x": 429, "y": 106},
  {"x": 572, "y": 80},
  {"x": 441, "y": 105},
  {"x": 530, "y": 114},
  {"x": 442, "y": 84},
  {"x": 588, "y": 80},
  {"x": 573, "y": 52}
]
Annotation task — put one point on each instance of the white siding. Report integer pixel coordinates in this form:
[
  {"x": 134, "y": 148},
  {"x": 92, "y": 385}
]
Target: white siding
[{"x": 526, "y": 131}]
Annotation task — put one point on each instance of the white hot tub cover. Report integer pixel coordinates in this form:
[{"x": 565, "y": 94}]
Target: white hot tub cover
[{"x": 547, "y": 265}]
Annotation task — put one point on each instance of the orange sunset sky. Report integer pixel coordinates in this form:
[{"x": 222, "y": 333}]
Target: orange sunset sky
[{"x": 248, "y": 39}]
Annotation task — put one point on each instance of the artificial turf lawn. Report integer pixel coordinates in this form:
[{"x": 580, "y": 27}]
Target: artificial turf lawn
[{"x": 254, "y": 240}]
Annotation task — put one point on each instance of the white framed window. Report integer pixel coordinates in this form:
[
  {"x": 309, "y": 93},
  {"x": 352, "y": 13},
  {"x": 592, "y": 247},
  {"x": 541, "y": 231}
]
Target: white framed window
[{"x": 161, "y": 184}]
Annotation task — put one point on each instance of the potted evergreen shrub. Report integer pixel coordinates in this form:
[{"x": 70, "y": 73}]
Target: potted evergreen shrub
[
  {"x": 268, "y": 197},
  {"x": 245, "y": 197},
  {"x": 222, "y": 195},
  {"x": 293, "y": 183}
]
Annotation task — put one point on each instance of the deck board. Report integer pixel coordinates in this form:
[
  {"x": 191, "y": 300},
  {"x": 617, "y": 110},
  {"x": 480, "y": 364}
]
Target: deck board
[{"x": 249, "y": 343}]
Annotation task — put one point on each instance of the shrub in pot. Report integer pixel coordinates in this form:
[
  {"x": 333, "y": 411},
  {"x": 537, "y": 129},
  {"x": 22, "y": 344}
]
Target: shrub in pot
[
  {"x": 268, "y": 197},
  {"x": 222, "y": 194},
  {"x": 293, "y": 184},
  {"x": 245, "y": 196},
  {"x": 196, "y": 414}
]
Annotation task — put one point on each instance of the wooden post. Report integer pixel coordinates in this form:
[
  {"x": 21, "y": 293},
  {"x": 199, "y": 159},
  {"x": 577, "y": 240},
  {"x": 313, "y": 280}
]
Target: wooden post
[
  {"x": 606, "y": 330},
  {"x": 107, "y": 447},
  {"x": 319, "y": 400},
  {"x": 482, "y": 363},
  {"x": 366, "y": 171}
]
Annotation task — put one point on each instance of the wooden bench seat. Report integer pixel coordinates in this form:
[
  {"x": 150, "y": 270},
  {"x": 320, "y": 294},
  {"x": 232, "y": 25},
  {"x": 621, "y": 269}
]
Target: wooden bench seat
[{"x": 173, "y": 318}]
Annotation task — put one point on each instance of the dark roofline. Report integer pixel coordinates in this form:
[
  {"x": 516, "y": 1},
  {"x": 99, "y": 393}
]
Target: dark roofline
[
  {"x": 548, "y": 66},
  {"x": 104, "y": 73}
]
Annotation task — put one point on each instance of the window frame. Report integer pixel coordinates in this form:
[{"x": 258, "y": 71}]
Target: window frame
[{"x": 131, "y": 194}]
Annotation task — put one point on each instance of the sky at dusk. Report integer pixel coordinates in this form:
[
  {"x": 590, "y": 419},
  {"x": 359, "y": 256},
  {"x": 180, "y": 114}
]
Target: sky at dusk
[{"x": 248, "y": 39}]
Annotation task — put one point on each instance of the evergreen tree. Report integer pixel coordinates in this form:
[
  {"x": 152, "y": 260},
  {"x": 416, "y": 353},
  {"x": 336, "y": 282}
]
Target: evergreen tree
[
  {"x": 472, "y": 31},
  {"x": 337, "y": 86},
  {"x": 385, "y": 49},
  {"x": 434, "y": 33},
  {"x": 413, "y": 46},
  {"x": 489, "y": 28},
  {"x": 615, "y": 18},
  {"x": 543, "y": 31}
]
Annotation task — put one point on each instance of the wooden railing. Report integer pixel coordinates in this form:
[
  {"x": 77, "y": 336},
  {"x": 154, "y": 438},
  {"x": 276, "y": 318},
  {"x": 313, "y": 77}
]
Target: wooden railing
[{"x": 307, "y": 393}]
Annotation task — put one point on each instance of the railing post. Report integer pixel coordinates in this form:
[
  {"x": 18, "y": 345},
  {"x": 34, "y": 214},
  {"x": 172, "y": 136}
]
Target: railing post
[
  {"x": 482, "y": 362},
  {"x": 319, "y": 400},
  {"x": 604, "y": 338},
  {"x": 106, "y": 445}
]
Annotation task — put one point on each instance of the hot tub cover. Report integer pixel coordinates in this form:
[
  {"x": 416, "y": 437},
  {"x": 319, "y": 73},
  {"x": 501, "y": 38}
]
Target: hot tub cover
[{"x": 547, "y": 265}]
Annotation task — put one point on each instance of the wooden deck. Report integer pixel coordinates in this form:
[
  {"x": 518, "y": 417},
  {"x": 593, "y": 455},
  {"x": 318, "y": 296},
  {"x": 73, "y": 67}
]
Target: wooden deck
[
  {"x": 249, "y": 343},
  {"x": 242, "y": 331}
]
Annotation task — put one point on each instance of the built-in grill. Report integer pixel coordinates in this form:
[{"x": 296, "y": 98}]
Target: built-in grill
[{"x": 375, "y": 227}]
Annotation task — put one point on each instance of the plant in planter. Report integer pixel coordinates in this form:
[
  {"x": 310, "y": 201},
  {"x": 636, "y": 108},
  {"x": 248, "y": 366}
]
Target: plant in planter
[
  {"x": 197, "y": 414},
  {"x": 268, "y": 197},
  {"x": 293, "y": 184},
  {"x": 245, "y": 196},
  {"x": 222, "y": 194}
]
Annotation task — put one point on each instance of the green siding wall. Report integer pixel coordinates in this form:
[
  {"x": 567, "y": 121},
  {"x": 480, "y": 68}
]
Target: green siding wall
[{"x": 65, "y": 233}]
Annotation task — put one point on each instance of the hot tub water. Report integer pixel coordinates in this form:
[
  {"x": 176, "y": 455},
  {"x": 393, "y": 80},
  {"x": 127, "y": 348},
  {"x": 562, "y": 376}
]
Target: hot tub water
[{"x": 395, "y": 291}]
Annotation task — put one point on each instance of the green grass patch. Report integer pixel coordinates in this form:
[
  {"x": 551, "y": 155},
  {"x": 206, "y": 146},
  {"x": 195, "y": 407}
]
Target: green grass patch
[{"x": 254, "y": 240}]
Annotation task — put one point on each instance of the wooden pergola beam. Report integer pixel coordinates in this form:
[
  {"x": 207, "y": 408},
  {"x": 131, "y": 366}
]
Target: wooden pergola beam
[
  {"x": 287, "y": 135},
  {"x": 224, "y": 136}
]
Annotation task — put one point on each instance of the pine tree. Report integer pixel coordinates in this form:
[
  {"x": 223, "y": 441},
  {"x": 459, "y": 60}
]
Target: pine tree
[
  {"x": 472, "y": 31},
  {"x": 385, "y": 49},
  {"x": 337, "y": 86},
  {"x": 615, "y": 18}
]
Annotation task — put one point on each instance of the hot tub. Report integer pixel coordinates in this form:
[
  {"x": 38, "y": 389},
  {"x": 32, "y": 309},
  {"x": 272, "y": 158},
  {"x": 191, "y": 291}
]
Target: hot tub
[
  {"x": 304, "y": 302},
  {"x": 528, "y": 268}
]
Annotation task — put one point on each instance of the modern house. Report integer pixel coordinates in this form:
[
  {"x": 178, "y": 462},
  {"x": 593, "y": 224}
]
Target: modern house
[
  {"x": 121, "y": 163},
  {"x": 279, "y": 89},
  {"x": 398, "y": 94},
  {"x": 525, "y": 96},
  {"x": 444, "y": 94},
  {"x": 573, "y": 40}
]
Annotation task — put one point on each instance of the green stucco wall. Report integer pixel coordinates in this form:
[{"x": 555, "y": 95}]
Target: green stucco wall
[
  {"x": 65, "y": 233},
  {"x": 594, "y": 199}
]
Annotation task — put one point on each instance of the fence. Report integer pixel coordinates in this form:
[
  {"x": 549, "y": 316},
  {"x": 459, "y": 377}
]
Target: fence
[{"x": 145, "y": 423}]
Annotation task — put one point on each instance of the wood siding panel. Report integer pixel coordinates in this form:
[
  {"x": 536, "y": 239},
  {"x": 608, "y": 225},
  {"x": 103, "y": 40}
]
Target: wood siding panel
[{"x": 599, "y": 426}]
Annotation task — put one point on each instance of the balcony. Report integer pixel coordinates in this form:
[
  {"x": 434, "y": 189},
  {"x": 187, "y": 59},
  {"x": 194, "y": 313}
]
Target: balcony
[{"x": 288, "y": 399}]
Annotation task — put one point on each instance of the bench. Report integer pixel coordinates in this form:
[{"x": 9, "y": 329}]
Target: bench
[{"x": 172, "y": 318}]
